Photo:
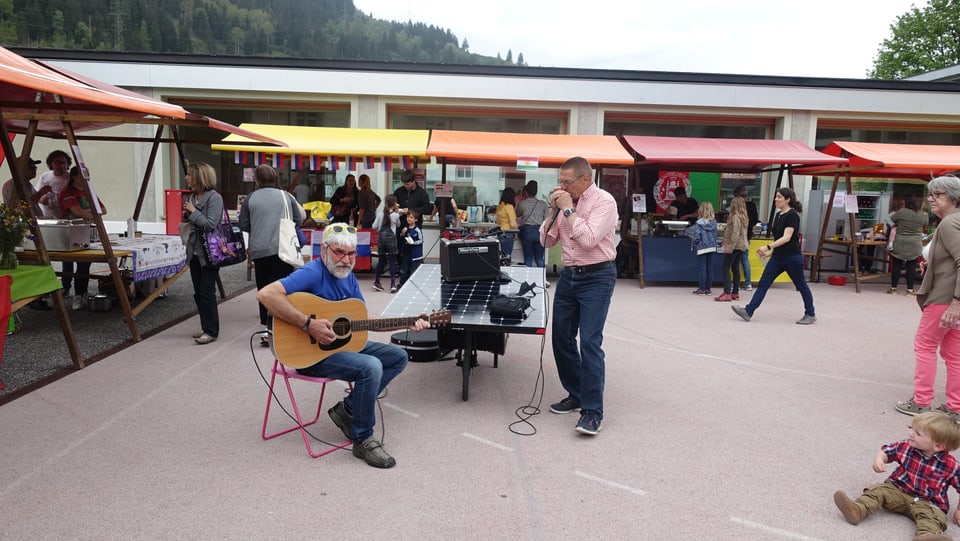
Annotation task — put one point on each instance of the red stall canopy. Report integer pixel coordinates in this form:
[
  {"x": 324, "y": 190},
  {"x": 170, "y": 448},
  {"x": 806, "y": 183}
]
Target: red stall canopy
[
  {"x": 723, "y": 155},
  {"x": 507, "y": 149}
]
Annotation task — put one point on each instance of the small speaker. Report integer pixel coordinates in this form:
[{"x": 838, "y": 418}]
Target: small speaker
[{"x": 469, "y": 259}]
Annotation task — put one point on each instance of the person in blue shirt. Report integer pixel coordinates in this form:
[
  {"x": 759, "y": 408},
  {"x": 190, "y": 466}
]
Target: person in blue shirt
[
  {"x": 412, "y": 242},
  {"x": 371, "y": 369}
]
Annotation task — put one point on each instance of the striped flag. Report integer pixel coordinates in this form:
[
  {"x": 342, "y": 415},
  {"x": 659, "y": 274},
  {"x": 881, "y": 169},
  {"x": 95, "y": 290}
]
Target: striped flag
[
  {"x": 314, "y": 162},
  {"x": 259, "y": 158},
  {"x": 387, "y": 163},
  {"x": 278, "y": 160},
  {"x": 369, "y": 162},
  {"x": 239, "y": 157},
  {"x": 406, "y": 162},
  {"x": 333, "y": 163},
  {"x": 351, "y": 163}
]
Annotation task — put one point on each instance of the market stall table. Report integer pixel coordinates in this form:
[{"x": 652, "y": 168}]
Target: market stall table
[
  {"x": 149, "y": 256},
  {"x": 469, "y": 303}
]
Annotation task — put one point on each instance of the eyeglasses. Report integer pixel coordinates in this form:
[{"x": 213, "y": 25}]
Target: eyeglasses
[
  {"x": 934, "y": 195},
  {"x": 340, "y": 254},
  {"x": 568, "y": 182},
  {"x": 338, "y": 228}
]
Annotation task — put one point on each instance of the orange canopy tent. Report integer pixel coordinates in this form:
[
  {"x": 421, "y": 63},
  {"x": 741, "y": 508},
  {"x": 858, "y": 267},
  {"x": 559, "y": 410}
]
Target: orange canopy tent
[
  {"x": 888, "y": 160},
  {"x": 37, "y": 99},
  {"x": 876, "y": 160}
]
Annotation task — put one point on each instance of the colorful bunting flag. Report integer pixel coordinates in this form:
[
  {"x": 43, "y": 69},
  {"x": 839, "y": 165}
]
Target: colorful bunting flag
[
  {"x": 387, "y": 163},
  {"x": 278, "y": 160},
  {"x": 239, "y": 157},
  {"x": 259, "y": 158},
  {"x": 369, "y": 162},
  {"x": 406, "y": 162},
  {"x": 351, "y": 163},
  {"x": 333, "y": 163}
]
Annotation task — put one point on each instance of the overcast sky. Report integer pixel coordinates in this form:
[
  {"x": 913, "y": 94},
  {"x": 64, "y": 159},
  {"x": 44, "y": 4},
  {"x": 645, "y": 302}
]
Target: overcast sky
[{"x": 818, "y": 38}]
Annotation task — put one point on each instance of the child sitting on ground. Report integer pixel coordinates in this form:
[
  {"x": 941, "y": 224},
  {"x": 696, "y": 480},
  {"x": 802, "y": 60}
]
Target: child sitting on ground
[{"x": 918, "y": 486}]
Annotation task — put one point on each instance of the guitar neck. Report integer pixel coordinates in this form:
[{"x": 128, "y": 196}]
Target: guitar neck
[{"x": 383, "y": 324}]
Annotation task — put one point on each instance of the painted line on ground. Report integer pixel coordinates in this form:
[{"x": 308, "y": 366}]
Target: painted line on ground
[
  {"x": 613, "y": 484},
  {"x": 657, "y": 344},
  {"x": 776, "y": 531},
  {"x": 493, "y": 444},
  {"x": 399, "y": 409}
]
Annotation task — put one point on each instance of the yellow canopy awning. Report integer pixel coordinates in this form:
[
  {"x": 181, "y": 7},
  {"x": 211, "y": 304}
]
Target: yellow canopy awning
[{"x": 340, "y": 142}]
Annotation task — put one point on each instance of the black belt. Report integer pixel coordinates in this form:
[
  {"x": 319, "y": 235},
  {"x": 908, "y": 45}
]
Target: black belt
[{"x": 584, "y": 269}]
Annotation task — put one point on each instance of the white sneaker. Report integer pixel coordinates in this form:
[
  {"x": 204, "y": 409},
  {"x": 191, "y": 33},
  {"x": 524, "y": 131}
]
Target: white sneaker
[
  {"x": 79, "y": 302},
  {"x": 546, "y": 284}
]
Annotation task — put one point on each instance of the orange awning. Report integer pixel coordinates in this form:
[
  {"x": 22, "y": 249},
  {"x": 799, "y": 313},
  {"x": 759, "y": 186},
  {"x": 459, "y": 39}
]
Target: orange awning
[
  {"x": 888, "y": 160},
  {"x": 506, "y": 149},
  {"x": 86, "y": 103},
  {"x": 724, "y": 155}
]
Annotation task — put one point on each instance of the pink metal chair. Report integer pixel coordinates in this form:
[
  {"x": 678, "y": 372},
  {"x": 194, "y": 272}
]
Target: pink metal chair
[{"x": 288, "y": 374}]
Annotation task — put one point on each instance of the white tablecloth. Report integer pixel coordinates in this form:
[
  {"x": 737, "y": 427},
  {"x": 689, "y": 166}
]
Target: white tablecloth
[{"x": 153, "y": 255}]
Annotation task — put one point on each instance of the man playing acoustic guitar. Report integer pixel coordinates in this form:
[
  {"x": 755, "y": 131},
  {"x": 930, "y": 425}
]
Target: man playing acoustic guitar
[{"x": 333, "y": 345}]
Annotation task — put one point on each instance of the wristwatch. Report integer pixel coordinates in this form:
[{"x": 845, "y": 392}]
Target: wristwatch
[
  {"x": 306, "y": 326},
  {"x": 568, "y": 211}
]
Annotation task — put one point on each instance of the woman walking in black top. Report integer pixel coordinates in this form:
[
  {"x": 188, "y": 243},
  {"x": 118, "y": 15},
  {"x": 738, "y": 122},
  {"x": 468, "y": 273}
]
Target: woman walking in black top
[{"x": 785, "y": 256}]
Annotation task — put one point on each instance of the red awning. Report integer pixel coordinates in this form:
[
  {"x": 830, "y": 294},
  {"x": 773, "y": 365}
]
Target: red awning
[
  {"x": 508, "y": 149},
  {"x": 887, "y": 160},
  {"x": 723, "y": 155}
]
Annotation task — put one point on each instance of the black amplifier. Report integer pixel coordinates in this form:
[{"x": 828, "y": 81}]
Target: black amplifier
[{"x": 473, "y": 259}]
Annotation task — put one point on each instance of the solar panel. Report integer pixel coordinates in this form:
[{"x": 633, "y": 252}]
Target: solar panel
[{"x": 469, "y": 301}]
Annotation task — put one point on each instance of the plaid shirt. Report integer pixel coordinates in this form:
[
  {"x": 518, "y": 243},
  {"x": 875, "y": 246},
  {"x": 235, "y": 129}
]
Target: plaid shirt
[
  {"x": 591, "y": 239},
  {"x": 927, "y": 478}
]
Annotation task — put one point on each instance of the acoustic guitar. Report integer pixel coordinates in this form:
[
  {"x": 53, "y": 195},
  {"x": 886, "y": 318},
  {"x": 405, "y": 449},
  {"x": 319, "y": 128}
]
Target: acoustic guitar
[{"x": 297, "y": 349}]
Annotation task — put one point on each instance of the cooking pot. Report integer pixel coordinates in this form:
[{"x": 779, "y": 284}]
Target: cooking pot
[{"x": 99, "y": 303}]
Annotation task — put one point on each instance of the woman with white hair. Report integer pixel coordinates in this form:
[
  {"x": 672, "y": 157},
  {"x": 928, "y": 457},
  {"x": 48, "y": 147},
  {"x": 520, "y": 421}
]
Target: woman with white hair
[{"x": 939, "y": 299}]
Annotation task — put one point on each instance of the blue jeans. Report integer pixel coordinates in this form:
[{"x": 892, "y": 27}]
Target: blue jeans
[
  {"x": 532, "y": 249},
  {"x": 580, "y": 305},
  {"x": 506, "y": 245},
  {"x": 371, "y": 370},
  {"x": 745, "y": 261},
  {"x": 205, "y": 295},
  {"x": 705, "y": 263},
  {"x": 778, "y": 264}
]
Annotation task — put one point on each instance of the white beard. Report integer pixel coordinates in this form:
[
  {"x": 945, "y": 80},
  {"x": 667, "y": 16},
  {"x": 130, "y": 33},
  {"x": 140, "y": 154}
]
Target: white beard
[{"x": 340, "y": 270}]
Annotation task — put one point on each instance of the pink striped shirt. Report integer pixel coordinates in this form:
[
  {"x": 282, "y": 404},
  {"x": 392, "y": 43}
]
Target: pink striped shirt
[{"x": 591, "y": 238}]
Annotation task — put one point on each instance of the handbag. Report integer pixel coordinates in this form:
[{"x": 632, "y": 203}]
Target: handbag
[
  {"x": 289, "y": 243},
  {"x": 224, "y": 244}
]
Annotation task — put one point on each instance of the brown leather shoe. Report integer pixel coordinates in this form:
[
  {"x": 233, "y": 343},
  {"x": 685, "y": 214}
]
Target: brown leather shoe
[
  {"x": 205, "y": 339},
  {"x": 849, "y": 508}
]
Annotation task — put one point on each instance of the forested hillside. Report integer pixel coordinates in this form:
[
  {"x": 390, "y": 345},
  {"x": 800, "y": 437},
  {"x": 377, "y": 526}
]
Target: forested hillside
[{"x": 329, "y": 29}]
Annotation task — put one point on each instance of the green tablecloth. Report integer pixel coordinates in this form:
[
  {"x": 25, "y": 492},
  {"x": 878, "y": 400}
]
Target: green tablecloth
[{"x": 30, "y": 280}]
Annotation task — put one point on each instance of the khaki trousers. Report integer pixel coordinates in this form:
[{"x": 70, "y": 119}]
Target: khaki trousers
[{"x": 930, "y": 519}]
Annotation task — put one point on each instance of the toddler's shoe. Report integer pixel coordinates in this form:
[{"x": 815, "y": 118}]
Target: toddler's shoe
[{"x": 849, "y": 508}]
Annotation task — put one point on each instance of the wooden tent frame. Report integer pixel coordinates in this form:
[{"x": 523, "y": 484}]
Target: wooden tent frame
[{"x": 88, "y": 105}]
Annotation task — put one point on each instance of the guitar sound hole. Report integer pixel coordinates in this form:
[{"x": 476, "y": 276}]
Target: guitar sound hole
[{"x": 341, "y": 327}]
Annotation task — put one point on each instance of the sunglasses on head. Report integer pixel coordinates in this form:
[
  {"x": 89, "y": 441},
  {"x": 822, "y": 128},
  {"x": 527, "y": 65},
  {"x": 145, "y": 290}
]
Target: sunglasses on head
[{"x": 338, "y": 228}]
